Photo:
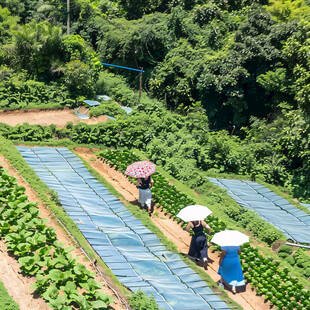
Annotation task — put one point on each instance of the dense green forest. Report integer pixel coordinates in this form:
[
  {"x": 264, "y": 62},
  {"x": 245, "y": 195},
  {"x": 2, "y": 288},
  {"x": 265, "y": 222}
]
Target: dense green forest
[{"x": 234, "y": 74}]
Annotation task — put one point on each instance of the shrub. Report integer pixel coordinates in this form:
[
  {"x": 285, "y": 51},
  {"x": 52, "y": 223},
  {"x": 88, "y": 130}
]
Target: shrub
[
  {"x": 290, "y": 260},
  {"x": 140, "y": 301},
  {"x": 283, "y": 254},
  {"x": 285, "y": 248},
  {"x": 115, "y": 86},
  {"x": 19, "y": 92},
  {"x": 307, "y": 272},
  {"x": 271, "y": 235},
  {"x": 110, "y": 108}
]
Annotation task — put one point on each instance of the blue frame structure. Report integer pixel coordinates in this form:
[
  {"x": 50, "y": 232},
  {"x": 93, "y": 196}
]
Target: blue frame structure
[{"x": 90, "y": 103}]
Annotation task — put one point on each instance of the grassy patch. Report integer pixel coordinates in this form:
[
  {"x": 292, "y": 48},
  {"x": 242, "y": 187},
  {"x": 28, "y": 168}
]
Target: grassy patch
[{"x": 6, "y": 301}]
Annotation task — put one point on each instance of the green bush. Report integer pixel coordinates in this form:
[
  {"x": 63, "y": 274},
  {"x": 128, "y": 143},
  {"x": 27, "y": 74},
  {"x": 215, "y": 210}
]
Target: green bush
[
  {"x": 115, "y": 86},
  {"x": 286, "y": 249},
  {"x": 141, "y": 301},
  {"x": 290, "y": 260},
  {"x": 307, "y": 272},
  {"x": 271, "y": 235},
  {"x": 302, "y": 259},
  {"x": 110, "y": 108},
  {"x": 283, "y": 254},
  {"x": 17, "y": 91}
]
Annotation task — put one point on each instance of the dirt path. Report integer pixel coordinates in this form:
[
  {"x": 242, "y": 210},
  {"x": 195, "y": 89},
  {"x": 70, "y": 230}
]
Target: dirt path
[
  {"x": 173, "y": 231},
  {"x": 46, "y": 117},
  {"x": 19, "y": 286}
]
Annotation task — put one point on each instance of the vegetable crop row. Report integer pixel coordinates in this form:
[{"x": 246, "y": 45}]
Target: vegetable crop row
[
  {"x": 272, "y": 281},
  {"x": 62, "y": 281},
  {"x": 265, "y": 274}
]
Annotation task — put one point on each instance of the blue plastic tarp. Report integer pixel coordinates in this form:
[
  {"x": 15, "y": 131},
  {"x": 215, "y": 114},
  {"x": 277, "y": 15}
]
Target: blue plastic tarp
[
  {"x": 134, "y": 254},
  {"x": 293, "y": 222}
]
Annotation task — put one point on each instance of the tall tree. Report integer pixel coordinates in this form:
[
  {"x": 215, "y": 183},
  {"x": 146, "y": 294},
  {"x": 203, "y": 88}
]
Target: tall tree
[{"x": 35, "y": 47}]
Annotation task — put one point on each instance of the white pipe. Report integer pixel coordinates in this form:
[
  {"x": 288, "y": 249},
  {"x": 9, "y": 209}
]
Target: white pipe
[{"x": 299, "y": 245}]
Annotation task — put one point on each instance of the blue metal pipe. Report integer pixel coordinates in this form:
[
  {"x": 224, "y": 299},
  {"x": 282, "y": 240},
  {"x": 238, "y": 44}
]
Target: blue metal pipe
[{"x": 121, "y": 67}]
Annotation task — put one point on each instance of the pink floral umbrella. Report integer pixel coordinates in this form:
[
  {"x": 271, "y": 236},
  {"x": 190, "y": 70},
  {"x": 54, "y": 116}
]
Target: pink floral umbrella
[{"x": 140, "y": 169}]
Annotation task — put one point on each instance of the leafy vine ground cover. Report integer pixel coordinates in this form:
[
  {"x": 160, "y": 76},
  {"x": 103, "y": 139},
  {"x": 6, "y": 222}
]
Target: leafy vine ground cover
[
  {"x": 61, "y": 280},
  {"x": 264, "y": 273}
]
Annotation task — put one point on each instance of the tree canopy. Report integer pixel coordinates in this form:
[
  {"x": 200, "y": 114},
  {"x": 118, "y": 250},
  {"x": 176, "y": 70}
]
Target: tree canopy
[{"x": 242, "y": 64}]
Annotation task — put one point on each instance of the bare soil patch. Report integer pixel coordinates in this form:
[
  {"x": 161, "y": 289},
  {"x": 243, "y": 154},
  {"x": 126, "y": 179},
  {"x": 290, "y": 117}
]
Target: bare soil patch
[
  {"x": 171, "y": 229},
  {"x": 46, "y": 117},
  {"x": 17, "y": 285}
]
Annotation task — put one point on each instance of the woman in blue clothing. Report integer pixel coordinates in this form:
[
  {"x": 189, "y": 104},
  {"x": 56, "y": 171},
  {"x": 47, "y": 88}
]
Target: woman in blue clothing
[{"x": 230, "y": 268}]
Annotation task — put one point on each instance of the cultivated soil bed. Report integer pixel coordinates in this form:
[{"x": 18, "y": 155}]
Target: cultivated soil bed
[{"x": 19, "y": 286}]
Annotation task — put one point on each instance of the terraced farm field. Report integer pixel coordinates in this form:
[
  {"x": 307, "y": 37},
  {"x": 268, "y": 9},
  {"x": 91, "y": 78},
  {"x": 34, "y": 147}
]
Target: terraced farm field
[{"x": 170, "y": 228}]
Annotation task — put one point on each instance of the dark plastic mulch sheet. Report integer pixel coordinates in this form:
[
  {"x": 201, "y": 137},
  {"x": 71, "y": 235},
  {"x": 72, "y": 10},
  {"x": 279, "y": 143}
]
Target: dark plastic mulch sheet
[{"x": 130, "y": 250}]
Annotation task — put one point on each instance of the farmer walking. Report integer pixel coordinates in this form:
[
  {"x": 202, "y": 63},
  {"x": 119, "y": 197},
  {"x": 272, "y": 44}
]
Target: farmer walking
[
  {"x": 229, "y": 264},
  {"x": 195, "y": 215},
  {"x": 143, "y": 170},
  {"x": 230, "y": 268},
  {"x": 145, "y": 194},
  {"x": 199, "y": 245}
]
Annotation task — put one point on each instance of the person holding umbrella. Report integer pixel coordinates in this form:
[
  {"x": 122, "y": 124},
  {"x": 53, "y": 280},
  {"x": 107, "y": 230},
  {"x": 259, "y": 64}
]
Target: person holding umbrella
[
  {"x": 143, "y": 170},
  {"x": 230, "y": 267},
  {"x": 195, "y": 215},
  {"x": 199, "y": 245},
  {"x": 145, "y": 194}
]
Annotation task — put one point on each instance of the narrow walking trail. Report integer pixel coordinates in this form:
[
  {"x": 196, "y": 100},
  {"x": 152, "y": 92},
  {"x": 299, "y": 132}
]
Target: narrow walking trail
[{"x": 59, "y": 118}]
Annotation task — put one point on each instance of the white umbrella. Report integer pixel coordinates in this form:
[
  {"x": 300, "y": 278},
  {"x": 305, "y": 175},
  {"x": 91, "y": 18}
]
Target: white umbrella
[
  {"x": 194, "y": 213},
  {"x": 230, "y": 238}
]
